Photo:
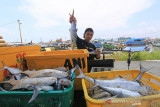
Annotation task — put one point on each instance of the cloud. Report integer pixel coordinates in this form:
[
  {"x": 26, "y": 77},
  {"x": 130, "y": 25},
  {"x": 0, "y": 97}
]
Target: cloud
[
  {"x": 152, "y": 29},
  {"x": 100, "y": 15},
  {"x": 4, "y": 30},
  {"x": 142, "y": 24},
  {"x": 147, "y": 31}
]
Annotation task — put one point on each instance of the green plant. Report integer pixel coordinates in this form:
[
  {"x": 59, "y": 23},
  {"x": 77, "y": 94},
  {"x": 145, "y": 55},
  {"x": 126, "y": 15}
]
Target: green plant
[{"x": 136, "y": 56}]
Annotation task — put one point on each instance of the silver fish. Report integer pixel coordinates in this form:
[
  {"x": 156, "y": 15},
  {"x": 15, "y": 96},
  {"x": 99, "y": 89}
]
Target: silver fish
[
  {"x": 114, "y": 83},
  {"x": 101, "y": 94},
  {"x": 62, "y": 83},
  {"x": 45, "y": 73},
  {"x": 71, "y": 72},
  {"x": 122, "y": 93},
  {"x": 73, "y": 33},
  {"x": 65, "y": 82},
  {"x": 14, "y": 71},
  {"x": 37, "y": 89},
  {"x": 61, "y": 69},
  {"x": 57, "y": 85},
  {"x": 26, "y": 83}
]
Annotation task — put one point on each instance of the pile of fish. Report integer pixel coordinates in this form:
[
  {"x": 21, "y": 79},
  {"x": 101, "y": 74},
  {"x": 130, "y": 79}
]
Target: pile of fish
[
  {"x": 118, "y": 87},
  {"x": 40, "y": 80}
]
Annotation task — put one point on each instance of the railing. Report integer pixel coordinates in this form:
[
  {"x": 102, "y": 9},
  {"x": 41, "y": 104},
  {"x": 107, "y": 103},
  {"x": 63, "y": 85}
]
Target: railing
[{"x": 105, "y": 64}]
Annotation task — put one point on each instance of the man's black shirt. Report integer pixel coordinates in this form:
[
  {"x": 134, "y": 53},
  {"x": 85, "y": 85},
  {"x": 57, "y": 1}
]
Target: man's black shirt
[{"x": 82, "y": 44}]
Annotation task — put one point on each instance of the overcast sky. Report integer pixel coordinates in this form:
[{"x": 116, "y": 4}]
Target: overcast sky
[{"x": 49, "y": 19}]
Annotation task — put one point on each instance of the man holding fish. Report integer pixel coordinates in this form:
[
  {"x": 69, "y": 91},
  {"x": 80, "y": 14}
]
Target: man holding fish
[{"x": 84, "y": 44}]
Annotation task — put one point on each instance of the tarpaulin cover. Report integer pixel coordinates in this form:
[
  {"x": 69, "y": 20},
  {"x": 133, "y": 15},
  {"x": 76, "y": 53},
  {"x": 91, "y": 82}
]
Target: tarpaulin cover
[{"x": 133, "y": 49}]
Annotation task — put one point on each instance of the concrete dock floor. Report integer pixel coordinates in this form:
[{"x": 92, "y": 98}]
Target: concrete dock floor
[{"x": 123, "y": 65}]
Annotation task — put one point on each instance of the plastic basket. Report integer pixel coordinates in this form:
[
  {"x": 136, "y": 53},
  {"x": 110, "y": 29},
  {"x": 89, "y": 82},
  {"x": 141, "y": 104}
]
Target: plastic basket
[
  {"x": 54, "y": 59},
  {"x": 62, "y": 98},
  {"x": 14, "y": 57},
  {"x": 145, "y": 101}
]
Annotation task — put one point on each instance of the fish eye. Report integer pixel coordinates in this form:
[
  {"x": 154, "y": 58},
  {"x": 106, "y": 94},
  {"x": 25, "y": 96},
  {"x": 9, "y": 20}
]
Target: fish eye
[{"x": 62, "y": 81}]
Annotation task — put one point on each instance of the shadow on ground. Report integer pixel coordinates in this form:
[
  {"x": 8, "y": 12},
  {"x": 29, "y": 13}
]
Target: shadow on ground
[{"x": 79, "y": 100}]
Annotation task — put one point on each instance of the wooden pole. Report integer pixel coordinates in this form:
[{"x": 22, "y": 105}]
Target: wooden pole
[{"x": 20, "y": 30}]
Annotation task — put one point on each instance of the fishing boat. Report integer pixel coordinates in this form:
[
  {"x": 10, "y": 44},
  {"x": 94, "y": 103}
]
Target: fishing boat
[
  {"x": 97, "y": 44},
  {"x": 136, "y": 44}
]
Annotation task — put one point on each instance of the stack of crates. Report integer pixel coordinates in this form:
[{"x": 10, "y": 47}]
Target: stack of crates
[
  {"x": 15, "y": 57},
  {"x": 2, "y": 42}
]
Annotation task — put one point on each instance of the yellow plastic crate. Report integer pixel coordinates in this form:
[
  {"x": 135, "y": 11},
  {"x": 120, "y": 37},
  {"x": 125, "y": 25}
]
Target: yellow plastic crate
[
  {"x": 14, "y": 57},
  {"x": 145, "y": 101},
  {"x": 54, "y": 59}
]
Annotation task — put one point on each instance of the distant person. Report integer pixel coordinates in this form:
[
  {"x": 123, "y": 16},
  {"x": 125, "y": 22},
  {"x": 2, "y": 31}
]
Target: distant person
[{"x": 86, "y": 42}]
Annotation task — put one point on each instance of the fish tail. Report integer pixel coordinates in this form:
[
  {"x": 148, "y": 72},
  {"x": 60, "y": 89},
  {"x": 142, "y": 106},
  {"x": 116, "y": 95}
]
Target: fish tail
[
  {"x": 1, "y": 89},
  {"x": 1, "y": 69},
  {"x": 35, "y": 93},
  {"x": 4, "y": 66},
  {"x": 81, "y": 75},
  {"x": 3, "y": 63},
  {"x": 143, "y": 69},
  {"x": 72, "y": 72},
  {"x": 73, "y": 12}
]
